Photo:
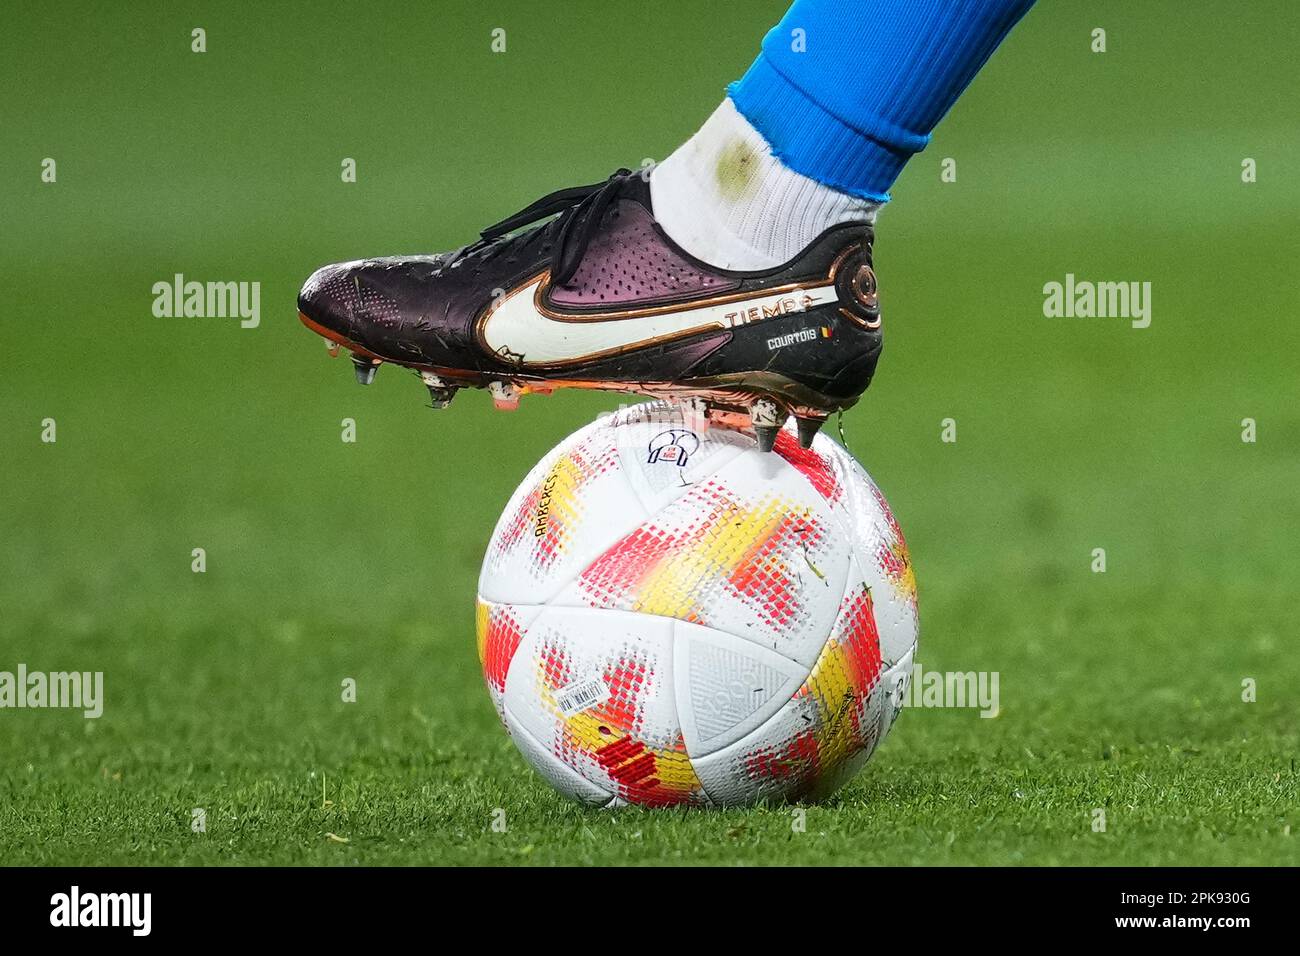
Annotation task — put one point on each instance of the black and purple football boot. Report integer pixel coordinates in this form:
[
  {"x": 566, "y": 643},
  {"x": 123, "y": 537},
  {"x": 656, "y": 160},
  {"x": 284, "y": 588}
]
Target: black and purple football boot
[{"x": 597, "y": 296}]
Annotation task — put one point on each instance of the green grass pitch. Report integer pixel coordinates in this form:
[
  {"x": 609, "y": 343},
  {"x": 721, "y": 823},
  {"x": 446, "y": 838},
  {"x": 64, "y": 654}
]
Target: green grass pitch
[{"x": 1120, "y": 691}]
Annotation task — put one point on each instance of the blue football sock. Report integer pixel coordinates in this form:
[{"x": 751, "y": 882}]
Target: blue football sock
[{"x": 845, "y": 91}]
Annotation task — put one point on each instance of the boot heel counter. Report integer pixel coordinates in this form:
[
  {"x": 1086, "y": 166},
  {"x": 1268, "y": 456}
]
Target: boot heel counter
[
  {"x": 857, "y": 372},
  {"x": 860, "y": 322}
]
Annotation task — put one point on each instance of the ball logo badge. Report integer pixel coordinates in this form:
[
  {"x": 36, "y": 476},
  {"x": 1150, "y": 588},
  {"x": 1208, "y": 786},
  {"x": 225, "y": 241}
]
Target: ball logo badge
[{"x": 675, "y": 445}]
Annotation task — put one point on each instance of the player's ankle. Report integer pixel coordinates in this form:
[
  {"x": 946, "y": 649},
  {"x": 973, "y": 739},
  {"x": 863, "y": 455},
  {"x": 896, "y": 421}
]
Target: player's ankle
[{"x": 727, "y": 200}]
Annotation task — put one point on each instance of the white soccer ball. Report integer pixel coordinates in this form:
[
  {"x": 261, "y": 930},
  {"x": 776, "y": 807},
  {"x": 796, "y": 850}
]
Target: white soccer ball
[{"x": 666, "y": 615}]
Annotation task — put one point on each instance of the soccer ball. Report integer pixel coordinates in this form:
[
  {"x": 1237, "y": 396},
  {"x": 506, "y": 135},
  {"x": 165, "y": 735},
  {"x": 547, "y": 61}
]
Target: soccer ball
[{"x": 667, "y": 615}]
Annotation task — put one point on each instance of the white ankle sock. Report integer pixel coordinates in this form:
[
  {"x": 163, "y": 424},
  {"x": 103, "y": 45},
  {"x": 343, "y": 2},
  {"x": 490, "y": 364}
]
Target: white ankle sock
[{"x": 724, "y": 198}]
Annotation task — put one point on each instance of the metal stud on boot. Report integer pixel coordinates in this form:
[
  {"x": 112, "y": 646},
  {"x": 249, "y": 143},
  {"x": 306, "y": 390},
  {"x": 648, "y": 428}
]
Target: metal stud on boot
[
  {"x": 808, "y": 429},
  {"x": 695, "y": 412},
  {"x": 504, "y": 396},
  {"x": 767, "y": 417},
  {"x": 440, "y": 393},
  {"x": 366, "y": 368}
]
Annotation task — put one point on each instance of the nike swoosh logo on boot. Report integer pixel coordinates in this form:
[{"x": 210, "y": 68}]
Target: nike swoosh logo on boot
[{"x": 520, "y": 329}]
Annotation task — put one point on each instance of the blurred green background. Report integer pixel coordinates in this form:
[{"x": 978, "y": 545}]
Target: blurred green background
[{"x": 329, "y": 560}]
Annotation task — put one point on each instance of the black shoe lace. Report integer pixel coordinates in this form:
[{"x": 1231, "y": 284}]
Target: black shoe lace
[{"x": 580, "y": 209}]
